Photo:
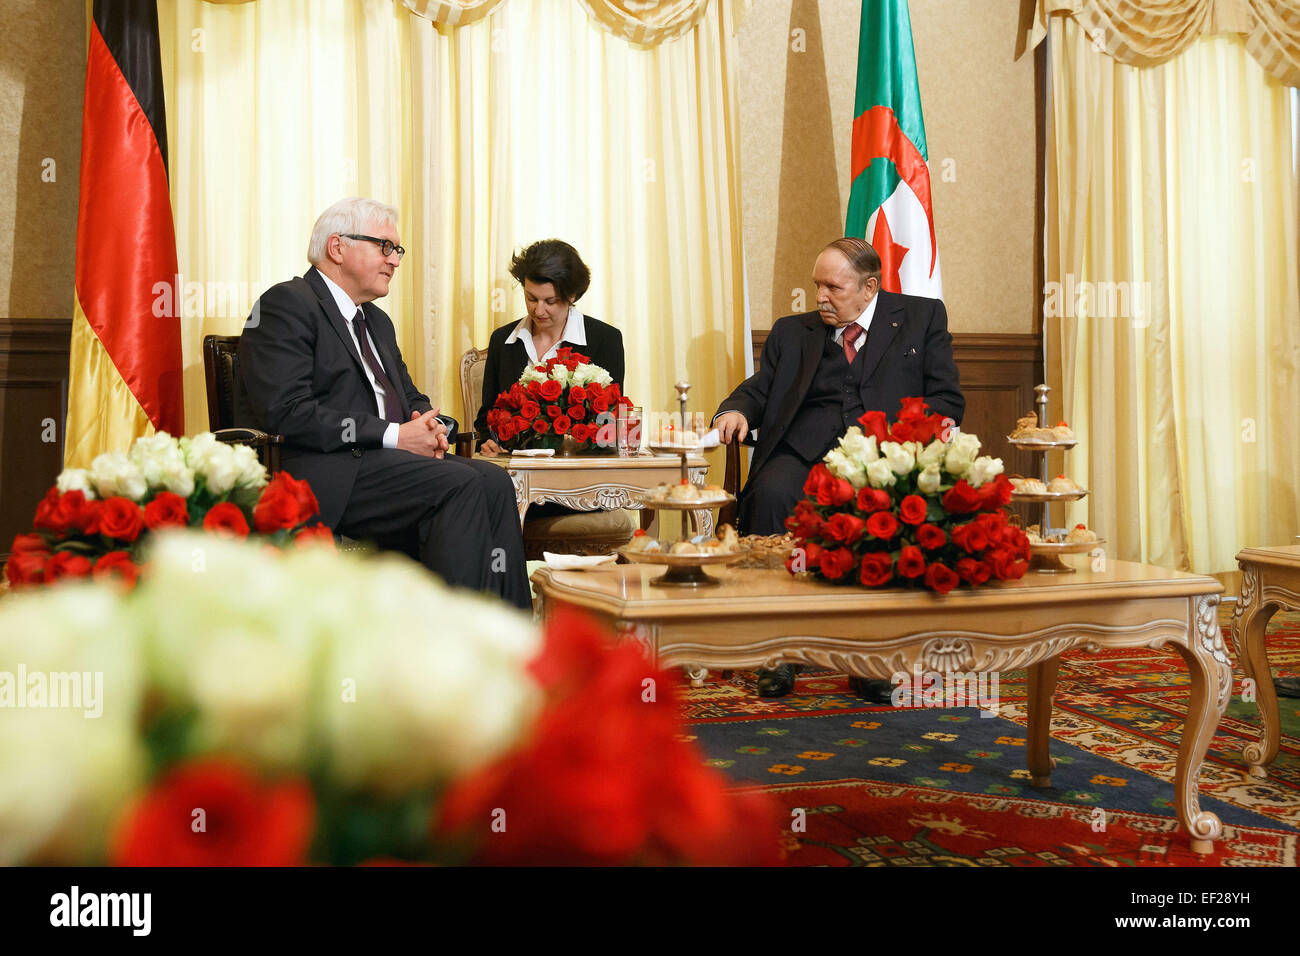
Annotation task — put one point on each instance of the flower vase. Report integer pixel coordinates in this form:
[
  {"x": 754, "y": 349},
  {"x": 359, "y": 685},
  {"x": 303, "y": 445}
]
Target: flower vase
[{"x": 571, "y": 449}]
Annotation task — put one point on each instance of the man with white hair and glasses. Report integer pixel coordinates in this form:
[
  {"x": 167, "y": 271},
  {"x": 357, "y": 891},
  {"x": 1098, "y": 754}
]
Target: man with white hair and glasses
[{"x": 320, "y": 364}]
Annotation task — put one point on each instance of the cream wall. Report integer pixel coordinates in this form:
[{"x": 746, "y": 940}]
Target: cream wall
[
  {"x": 796, "y": 113},
  {"x": 42, "y": 72}
]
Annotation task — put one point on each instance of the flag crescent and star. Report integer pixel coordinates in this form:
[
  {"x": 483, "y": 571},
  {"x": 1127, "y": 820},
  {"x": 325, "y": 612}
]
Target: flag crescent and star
[{"x": 890, "y": 201}]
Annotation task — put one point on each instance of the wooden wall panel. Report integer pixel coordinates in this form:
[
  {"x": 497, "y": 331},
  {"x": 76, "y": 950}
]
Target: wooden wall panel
[{"x": 33, "y": 408}]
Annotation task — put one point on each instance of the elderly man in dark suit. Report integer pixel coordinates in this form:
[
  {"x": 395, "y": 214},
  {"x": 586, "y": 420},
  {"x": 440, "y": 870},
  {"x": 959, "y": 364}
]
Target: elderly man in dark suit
[
  {"x": 321, "y": 366},
  {"x": 863, "y": 349}
]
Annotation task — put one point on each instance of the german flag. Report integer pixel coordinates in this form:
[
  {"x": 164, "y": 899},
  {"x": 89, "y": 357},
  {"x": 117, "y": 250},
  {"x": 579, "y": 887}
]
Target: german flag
[{"x": 125, "y": 376}]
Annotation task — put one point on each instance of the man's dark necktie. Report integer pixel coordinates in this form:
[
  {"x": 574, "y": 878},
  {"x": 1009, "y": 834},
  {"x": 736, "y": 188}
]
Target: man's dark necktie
[
  {"x": 850, "y": 341},
  {"x": 392, "y": 409}
]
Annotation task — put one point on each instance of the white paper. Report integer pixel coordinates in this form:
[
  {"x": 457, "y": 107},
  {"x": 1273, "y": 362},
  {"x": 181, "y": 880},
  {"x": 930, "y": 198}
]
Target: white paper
[
  {"x": 577, "y": 562},
  {"x": 533, "y": 452}
]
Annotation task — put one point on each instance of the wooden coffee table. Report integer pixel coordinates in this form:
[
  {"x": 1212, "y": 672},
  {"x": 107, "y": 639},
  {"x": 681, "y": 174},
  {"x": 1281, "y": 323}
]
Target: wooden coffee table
[
  {"x": 1270, "y": 581},
  {"x": 598, "y": 483},
  {"x": 762, "y": 618}
]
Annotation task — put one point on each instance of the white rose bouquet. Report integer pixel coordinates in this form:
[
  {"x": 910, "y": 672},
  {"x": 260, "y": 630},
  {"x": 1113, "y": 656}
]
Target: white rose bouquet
[{"x": 95, "y": 521}]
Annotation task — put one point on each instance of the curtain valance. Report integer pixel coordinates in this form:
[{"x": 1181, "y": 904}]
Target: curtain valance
[
  {"x": 1148, "y": 32},
  {"x": 643, "y": 22}
]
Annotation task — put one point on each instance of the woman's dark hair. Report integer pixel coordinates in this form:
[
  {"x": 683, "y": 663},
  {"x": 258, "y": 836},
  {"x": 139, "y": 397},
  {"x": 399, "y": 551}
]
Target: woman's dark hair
[{"x": 556, "y": 262}]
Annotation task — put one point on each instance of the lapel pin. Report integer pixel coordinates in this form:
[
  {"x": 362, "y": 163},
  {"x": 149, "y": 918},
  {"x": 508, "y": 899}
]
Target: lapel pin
[{"x": 895, "y": 325}]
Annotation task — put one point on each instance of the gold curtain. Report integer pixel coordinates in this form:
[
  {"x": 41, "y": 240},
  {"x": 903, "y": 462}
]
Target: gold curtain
[
  {"x": 644, "y": 22},
  {"x": 1149, "y": 32},
  {"x": 452, "y": 13},
  {"x": 1173, "y": 310},
  {"x": 529, "y": 122},
  {"x": 647, "y": 22}
]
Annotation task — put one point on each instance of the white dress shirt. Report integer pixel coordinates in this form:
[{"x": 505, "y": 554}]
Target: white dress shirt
[
  {"x": 575, "y": 333},
  {"x": 863, "y": 320},
  {"x": 348, "y": 309}
]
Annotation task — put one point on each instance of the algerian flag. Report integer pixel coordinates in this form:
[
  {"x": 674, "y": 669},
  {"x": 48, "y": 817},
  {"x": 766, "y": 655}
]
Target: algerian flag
[{"x": 889, "y": 204}]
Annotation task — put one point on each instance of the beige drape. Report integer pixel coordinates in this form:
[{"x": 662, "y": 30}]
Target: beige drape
[
  {"x": 532, "y": 120},
  {"x": 452, "y": 13},
  {"x": 1149, "y": 32},
  {"x": 1173, "y": 328},
  {"x": 646, "y": 22}
]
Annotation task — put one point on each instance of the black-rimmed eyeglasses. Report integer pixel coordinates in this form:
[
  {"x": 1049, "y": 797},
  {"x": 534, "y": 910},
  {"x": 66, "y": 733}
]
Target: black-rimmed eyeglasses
[{"x": 386, "y": 246}]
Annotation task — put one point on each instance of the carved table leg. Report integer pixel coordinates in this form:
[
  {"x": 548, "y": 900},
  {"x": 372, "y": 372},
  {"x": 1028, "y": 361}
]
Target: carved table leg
[
  {"x": 520, "y": 480},
  {"x": 1249, "y": 623},
  {"x": 696, "y": 674},
  {"x": 1042, "y": 685},
  {"x": 1211, "y": 672}
]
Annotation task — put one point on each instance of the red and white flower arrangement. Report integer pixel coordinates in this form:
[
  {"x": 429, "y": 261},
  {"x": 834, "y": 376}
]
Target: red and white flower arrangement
[
  {"x": 95, "y": 522},
  {"x": 909, "y": 504},
  {"x": 256, "y": 691},
  {"x": 565, "y": 395}
]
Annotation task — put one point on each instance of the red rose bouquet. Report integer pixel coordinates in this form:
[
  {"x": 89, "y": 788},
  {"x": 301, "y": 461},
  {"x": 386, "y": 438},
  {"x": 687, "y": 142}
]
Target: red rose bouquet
[
  {"x": 97, "y": 521},
  {"x": 565, "y": 395},
  {"x": 604, "y": 776},
  {"x": 912, "y": 504}
]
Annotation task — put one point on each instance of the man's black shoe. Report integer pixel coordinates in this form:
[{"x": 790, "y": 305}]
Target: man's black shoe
[
  {"x": 776, "y": 683},
  {"x": 871, "y": 689},
  {"x": 1286, "y": 686}
]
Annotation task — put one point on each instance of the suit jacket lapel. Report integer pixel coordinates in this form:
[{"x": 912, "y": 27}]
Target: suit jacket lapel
[
  {"x": 812, "y": 342},
  {"x": 339, "y": 323},
  {"x": 884, "y": 326}
]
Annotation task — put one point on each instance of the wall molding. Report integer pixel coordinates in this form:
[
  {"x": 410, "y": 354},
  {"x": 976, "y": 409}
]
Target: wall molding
[{"x": 34, "y": 358}]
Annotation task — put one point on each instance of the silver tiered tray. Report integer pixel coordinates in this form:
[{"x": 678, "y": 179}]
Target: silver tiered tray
[
  {"x": 1034, "y": 444},
  {"x": 683, "y": 570},
  {"x": 1044, "y": 497},
  {"x": 1046, "y": 556}
]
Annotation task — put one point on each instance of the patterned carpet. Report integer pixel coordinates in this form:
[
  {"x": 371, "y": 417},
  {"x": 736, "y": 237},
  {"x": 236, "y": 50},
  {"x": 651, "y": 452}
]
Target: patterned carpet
[{"x": 883, "y": 786}]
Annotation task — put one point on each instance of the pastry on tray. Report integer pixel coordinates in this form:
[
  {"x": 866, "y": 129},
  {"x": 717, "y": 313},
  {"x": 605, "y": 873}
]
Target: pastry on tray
[
  {"x": 1027, "y": 429},
  {"x": 1024, "y": 425},
  {"x": 686, "y": 493},
  {"x": 643, "y": 542},
  {"x": 1062, "y": 431},
  {"x": 1037, "y": 537},
  {"x": 726, "y": 543},
  {"x": 1061, "y": 485},
  {"x": 1028, "y": 486},
  {"x": 1081, "y": 534}
]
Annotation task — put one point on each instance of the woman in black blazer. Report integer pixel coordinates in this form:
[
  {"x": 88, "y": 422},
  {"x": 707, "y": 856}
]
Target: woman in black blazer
[{"x": 553, "y": 277}]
